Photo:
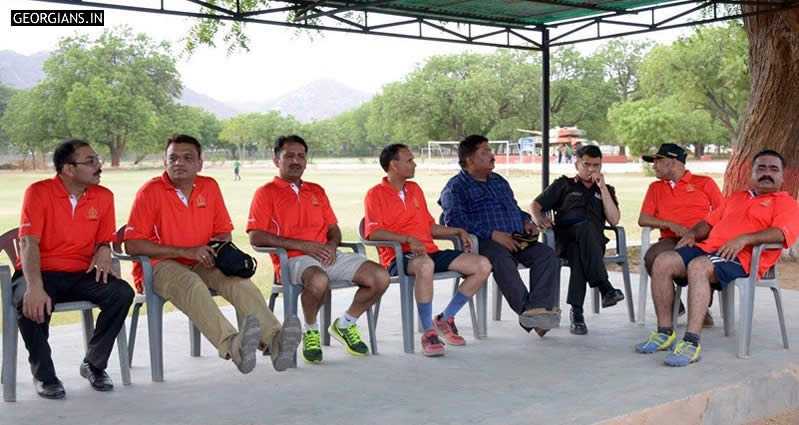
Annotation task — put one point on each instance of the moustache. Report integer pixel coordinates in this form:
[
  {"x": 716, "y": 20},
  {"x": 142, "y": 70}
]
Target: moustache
[
  {"x": 764, "y": 178},
  {"x": 98, "y": 172}
]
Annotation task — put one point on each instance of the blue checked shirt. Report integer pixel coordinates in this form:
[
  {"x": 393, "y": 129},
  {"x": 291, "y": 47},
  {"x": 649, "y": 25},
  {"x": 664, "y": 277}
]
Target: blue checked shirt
[{"x": 481, "y": 207}]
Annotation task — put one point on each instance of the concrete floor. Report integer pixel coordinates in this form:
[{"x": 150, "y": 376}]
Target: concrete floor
[{"x": 511, "y": 378}]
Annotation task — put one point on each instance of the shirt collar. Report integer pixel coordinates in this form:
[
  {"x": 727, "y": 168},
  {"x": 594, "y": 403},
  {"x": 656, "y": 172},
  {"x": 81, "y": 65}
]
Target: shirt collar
[
  {"x": 387, "y": 186},
  {"x": 62, "y": 192},
  {"x": 470, "y": 178},
  {"x": 168, "y": 183},
  {"x": 283, "y": 184}
]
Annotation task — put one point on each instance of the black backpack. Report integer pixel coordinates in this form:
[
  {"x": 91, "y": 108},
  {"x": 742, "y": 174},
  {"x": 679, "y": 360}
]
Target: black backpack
[{"x": 232, "y": 261}]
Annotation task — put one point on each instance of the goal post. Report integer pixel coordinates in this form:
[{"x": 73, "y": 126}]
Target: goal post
[{"x": 437, "y": 144}]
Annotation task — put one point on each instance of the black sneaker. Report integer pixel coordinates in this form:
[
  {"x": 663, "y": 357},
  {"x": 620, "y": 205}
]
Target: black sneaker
[
  {"x": 612, "y": 298},
  {"x": 577, "y": 326},
  {"x": 53, "y": 389}
]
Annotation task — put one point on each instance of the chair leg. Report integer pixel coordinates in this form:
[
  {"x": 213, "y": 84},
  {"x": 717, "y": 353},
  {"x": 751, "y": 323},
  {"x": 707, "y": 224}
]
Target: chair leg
[
  {"x": 481, "y": 301},
  {"x": 377, "y": 309},
  {"x": 675, "y": 306},
  {"x": 155, "y": 317},
  {"x": 87, "y": 320},
  {"x": 272, "y": 298},
  {"x": 124, "y": 360},
  {"x": 326, "y": 318},
  {"x": 496, "y": 296},
  {"x": 371, "y": 324},
  {"x": 643, "y": 286},
  {"x": 194, "y": 340},
  {"x": 595, "y": 300},
  {"x": 747, "y": 305},
  {"x": 134, "y": 326},
  {"x": 778, "y": 300},
  {"x": 10, "y": 332},
  {"x": 406, "y": 306},
  {"x": 728, "y": 308},
  {"x": 290, "y": 295},
  {"x": 628, "y": 291}
]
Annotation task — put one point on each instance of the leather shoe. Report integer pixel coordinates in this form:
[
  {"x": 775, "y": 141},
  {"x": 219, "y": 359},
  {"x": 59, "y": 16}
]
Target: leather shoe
[
  {"x": 53, "y": 389},
  {"x": 611, "y": 298},
  {"x": 98, "y": 378},
  {"x": 577, "y": 326}
]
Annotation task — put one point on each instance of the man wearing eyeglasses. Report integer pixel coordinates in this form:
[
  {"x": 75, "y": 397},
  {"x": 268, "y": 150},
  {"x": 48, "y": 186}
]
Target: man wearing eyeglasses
[
  {"x": 66, "y": 225},
  {"x": 172, "y": 220}
]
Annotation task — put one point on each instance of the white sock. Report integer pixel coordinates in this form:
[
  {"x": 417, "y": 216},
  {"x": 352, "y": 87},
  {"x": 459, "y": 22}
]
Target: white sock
[
  {"x": 346, "y": 320},
  {"x": 313, "y": 326}
]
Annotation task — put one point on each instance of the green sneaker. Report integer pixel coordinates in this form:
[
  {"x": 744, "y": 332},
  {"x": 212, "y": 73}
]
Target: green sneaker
[
  {"x": 684, "y": 353},
  {"x": 351, "y": 339},
  {"x": 311, "y": 347},
  {"x": 656, "y": 342}
]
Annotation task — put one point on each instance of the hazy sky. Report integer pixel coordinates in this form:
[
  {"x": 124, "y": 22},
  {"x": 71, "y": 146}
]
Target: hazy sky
[{"x": 279, "y": 60}]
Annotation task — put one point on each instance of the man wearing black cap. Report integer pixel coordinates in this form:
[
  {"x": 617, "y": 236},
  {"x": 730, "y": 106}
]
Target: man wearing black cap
[{"x": 674, "y": 203}]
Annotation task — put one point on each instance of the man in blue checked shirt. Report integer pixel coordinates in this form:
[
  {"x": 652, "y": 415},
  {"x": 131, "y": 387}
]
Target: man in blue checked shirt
[{"x": 482, "y": 202}]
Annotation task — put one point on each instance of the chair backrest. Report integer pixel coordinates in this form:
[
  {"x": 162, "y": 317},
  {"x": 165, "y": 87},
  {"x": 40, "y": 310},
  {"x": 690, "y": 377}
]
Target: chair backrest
[
  {"x": 361, "y": 228},
  {"x": 117, "y": 244},
  {"x": 9, "y": 242}
]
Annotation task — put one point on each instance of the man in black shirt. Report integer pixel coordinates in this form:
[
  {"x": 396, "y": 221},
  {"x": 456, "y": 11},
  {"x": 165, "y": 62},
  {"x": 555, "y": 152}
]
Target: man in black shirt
[{"x": 581, "y": 204}]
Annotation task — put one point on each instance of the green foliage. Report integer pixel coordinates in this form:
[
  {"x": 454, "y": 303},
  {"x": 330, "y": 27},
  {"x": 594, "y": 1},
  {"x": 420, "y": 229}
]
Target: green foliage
[
  {"x": 28, "y": 129},
  {"x": 246, "y": 132},
  {"x": 692, "y": 92},
  {"x": 5, "y": 96}
]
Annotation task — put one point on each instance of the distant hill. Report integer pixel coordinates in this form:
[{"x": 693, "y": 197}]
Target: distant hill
[
  {"x": 20, "y": 71},
  {"x": 319, "y": 100}
]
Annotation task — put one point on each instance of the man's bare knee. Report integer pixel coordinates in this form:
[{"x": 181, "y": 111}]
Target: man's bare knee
[
  {"x": 421, "y": 267},
  {"x": 315, "y": 282}
]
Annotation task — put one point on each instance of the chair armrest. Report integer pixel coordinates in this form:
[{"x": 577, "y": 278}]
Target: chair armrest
[
  {"x": 756, "y": 251},
  {"x": 5, "y": 287},
  {"x": 621, "y": 240},
  {"x": 282, "y": 256},
  {"x": 397, "y": 252},
  {"x": 146, "y": 267},
  {"x": 356, "y": 247}
]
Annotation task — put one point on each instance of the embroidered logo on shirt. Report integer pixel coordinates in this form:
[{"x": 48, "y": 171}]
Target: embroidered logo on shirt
[
  {"x": 597, "y": 195},
  {"x": 416, "y": 203},
  {"x": 765, "y": 202},
  {"x": 314, "y": 201},
  {"x": 689, "y": 188},
  {"x": 92, "y": 214},
  {"x": 200, "y": 202}
]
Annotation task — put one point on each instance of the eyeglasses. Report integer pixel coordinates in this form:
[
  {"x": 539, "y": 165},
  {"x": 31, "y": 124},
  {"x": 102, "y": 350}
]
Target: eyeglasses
[{"x": 94, "y": 162}]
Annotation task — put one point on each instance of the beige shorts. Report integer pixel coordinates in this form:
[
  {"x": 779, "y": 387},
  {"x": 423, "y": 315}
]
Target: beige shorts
[{"x": 343, "y": 269}]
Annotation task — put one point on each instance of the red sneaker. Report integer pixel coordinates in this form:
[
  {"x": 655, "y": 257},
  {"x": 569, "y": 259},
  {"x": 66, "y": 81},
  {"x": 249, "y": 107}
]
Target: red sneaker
[
  {"x": 449, "y": 330},
  {"x": 431, "y": 345}
]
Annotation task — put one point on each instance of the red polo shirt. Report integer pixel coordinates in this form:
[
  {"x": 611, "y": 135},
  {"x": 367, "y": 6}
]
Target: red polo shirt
[
  {"x": 67, "y": 239},
  {"x": 304, "y": 215},
  {"x": 691, "y": 199},
  {"x": 158, "y": 215},
  {"x": 385, "y": 209},
  {"x": 742, "y": 213}
]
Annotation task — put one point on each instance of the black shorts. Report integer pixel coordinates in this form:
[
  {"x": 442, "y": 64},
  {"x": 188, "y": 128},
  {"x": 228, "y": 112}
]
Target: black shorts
[
  {"x": 441, "y": 260},
  {"x": 726, "y": 271}
]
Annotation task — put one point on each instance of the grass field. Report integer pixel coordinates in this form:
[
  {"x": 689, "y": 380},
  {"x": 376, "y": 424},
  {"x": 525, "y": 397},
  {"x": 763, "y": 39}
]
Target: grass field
[{"x": 345, "y": 188}]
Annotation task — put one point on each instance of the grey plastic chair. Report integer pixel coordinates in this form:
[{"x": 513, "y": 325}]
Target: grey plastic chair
[
  {"x": 620, "y": 258},
  {"x": 292, "y": 290},
  {"x": 746, "y": 287},
  {"x": 478, "y": 310},
  {"x": 10, "y": 244},
  {"x": 155, "y": 314}
]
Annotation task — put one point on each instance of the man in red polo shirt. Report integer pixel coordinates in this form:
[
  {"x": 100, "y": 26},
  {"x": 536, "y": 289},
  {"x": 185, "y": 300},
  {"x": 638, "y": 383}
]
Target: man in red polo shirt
[
  {"x": 294, "y": 214},
  {"x": 674, "y": 203},
  {"x": 763, "y": 214},
  {"x": 66, "y": 225},
  {"x": 172, "y": 220},
  {"x": 397, "y": 211}
]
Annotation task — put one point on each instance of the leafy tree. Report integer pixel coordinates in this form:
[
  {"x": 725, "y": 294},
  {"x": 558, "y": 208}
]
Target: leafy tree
[
  {"x": 27, "y": 128},
  {"x": 5, "y": 96},
  {"x": 109, "y": 90}
]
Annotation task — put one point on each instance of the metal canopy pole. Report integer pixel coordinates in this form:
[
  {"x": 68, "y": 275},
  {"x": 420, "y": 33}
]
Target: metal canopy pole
[{"x": 544, "y": 109}]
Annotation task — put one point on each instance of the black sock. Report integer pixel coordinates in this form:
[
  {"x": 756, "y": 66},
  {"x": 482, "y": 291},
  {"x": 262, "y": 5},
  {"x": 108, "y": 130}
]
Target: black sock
[
  {"x": 667, "y": 331},
  {"x": 691, "y": 338},
  {"x": 604, "y": 288}
]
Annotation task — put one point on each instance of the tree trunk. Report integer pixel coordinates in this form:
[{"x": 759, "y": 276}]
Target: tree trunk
[
  {"x": 770, "y": 121},
  {"x": 699, "y": 150}
]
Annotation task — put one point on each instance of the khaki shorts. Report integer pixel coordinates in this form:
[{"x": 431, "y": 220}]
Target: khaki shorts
[{"x": 343, "y": 269}]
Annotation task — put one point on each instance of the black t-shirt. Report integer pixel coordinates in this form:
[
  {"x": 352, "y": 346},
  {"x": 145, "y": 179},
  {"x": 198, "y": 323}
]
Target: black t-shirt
[{"x": 574, "y": 203}]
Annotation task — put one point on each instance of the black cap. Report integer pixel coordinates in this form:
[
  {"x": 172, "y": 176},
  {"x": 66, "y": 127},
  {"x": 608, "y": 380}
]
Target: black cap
[{"x": 668, "y": 151}]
